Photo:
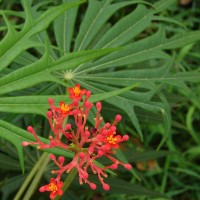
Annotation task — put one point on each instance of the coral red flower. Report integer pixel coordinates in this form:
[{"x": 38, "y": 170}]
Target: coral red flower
[
  {"x": 86, "y": 143},
  {"x": 112, "y": 141},
  {"x": 53, "y": 187},
  {"x": 76, "y": 92},
  {"x": 65, "y": 108}
]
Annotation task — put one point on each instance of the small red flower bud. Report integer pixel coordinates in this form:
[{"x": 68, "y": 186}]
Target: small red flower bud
[
  {"x": 75, "y": 112},
  {"x": 30, "y": 129},
  {"x": 88, "y": 104},
  {"x": 87, "y": 133},
  {"x": 91, "y": 150},
  {"x": 68, "y": 126},
  {"x": 100, "y": 153},
  {"x": 25, "y": 143},
  {"x": 128, "y": 166},
  {"x": 75, "y": 102},
  {"x": 49, "y": 114},
  {"x": 118, "y": 118},
  {"x": 114, "y": 166},
  {"x": 107, "y": 125},
  {"x": 106, "y": 187},
  {"x": 82, "y": 155},
  {"x": 61, "y": 159},
  {"x": 88, "y": 94},
  {"x": 50, "y": 100},
  {"x": 98, "y": 106},
  {"x": 42, "y": 189},
  {"x": 93, "y": 186},
  {"x": 113, "y": 128},
  {"x": 104, "y": 133},
  {"x": 52, "y": 157},
  {"x": 125, "y": 138},
  {"x": 85, "y": 175}
]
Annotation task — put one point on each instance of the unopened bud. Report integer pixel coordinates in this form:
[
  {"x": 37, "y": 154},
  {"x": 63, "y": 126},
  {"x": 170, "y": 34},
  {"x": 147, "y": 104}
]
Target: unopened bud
[
  {"x": 98, "y": 106},
  {"x": 87, "y": 134},
  {"x": 88, "y": 104},
  {"x": 118, "y": 118},
  {"x": 114, "y": 166},
  {"x": 42, "y": 189},
  {"x": 50, "y": 100},
  {"x": 75, "y": 102},
  {"x": 49, "y": 114},
  {"x": 25, "y": 143},
  {"x": 30, "y": 129},
  {"x": 113, "y": 128},
  {"x": 106, "y": 187},
  {"x": 107, "y": 125},
  {"x": 61, "y": 159},
  {"x": 52, "y": 157},
  {"x": 82, "y": 155},
  {"x": 68, "y": 126},
  {"x": 100, "y": 153},
  {"x": 93, "y": 186},
  {"x": 125, "y": 138},
  {"x": 88, "y": 94},
  {"x": 128, "y": 166}
]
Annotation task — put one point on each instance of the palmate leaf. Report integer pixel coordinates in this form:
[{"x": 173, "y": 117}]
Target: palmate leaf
[
  {"x": 41, "y": 70},
  {"x": 11, "y": 46},
  {"x": 142, "y": 50}
]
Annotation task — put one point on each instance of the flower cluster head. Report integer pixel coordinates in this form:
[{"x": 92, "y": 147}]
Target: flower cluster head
[{"x": 87, "y": 144}]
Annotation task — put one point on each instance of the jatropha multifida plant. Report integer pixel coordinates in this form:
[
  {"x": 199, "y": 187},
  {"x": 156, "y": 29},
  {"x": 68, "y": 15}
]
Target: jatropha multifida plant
[{"x": 86, "y": 143}]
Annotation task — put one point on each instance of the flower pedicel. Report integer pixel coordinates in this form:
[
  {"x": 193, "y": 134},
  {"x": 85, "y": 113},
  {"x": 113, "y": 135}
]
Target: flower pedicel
[{"x": 87, "y": 144}]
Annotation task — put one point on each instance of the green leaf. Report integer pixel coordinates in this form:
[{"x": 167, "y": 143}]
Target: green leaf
[
  {"x": 126, "y": 28},
  {"x": 162, "y": 5},
  {"x": 39, "y": 104},
  {"x": 14, "y": 46},
  {"x": 97, "y": 14},
  {"x": 64, "y": 27},
  {"x": 15, "y": 140},
  {"x": 118, "y": 186},
  {"x": 13, "y": 184},
  {"x": 9, "y": 163},
  {"x": 16, "y": 135},
  {"x": 41, "y": 70}
]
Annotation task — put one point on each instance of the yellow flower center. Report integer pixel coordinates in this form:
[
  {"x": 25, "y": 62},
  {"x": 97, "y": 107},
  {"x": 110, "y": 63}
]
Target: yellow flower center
[
  {"x": 111, "y": 139},
  {"x": 64, "y": 107},
  {"x": 53, "y": 187},
  {"x": 76, "y": 91}
]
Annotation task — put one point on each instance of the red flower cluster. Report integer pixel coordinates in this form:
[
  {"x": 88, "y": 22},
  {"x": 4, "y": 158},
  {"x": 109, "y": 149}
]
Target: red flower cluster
[{"x": 88, "y": 144}]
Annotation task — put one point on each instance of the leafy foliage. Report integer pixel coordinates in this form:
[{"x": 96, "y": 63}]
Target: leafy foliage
[{"x": 125, "y": 52}]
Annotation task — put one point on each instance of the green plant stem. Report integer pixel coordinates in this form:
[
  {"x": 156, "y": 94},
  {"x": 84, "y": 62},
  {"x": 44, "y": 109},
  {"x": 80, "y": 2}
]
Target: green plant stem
[
  {"x": 165, "y": 176},
  {"x": 37, "y": 178},
  {"x": 68, "y": 181},
  {"x": 189, "y": 125},
  {"x": 30, "y": 176}
]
